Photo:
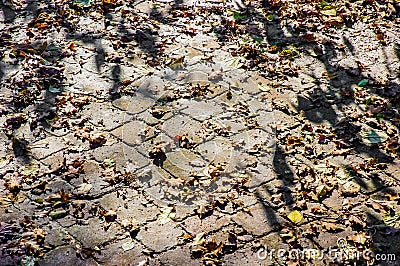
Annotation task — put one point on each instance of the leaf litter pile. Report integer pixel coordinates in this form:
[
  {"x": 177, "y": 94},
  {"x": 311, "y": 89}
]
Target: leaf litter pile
[{"x": 75, "y": 73}]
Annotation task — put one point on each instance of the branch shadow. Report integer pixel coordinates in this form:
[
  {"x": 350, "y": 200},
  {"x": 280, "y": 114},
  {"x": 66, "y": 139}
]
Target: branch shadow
[{"x": 345, "y": 128}]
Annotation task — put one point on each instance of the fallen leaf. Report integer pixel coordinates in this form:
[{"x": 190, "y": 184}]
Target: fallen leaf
[
  {"x": 109, "y": 162},
  {"x": 359, "y": 238},
  {"x": 333, "y": 227},
  {"x": 13, "y": 183},
  {"x": 363, "y": 82},
  {"x": 392, "y": 219},
  {"x": 84, "y": 188},
  {"x": 354, "y": 220},
  {"x": 235, "y": 62},
  {"x": 291, "y": 140},
  {"x": 263, "y": 87},
  {"x": 58, "y": 214},
  {"x": 97, "y": 139},
  {"x": 3, "y": 162},
  {"x": 295, "y": 217},
  {"x": 329, "y": 11},
  {"x": 28, "y": 169},
  {"x": 198, "y": 240},
  {"x": 128, "y": 245},
  {"x": 110, "y": 216},
  {"x": 71, "y": 46},
  {"x": 166, "y": 215},
  {"x": 320, "y": 191},
  {"x": 132, "y": 222},
  {"x": 177, "y": 63}
]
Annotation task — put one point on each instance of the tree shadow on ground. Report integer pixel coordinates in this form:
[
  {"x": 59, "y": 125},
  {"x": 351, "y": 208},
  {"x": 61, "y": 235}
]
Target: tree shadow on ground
[
  {"x": 322, "y": 97},
  {"x": 326, "y": 108},
  {"x": 11, "y": 12}
]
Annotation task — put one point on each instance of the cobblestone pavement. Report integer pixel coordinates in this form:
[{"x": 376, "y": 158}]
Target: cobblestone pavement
[{"x": 126, "y": 161}]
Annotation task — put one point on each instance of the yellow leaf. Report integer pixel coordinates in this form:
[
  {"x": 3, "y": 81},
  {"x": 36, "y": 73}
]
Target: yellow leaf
[
  {"x": 177, "y": 63},
  {"x": 329, "y": 11},
  {"x": 295, "y": 216},
  {"x": 321, "y": 191},
  {"x": 198, "y": 239},
  {"x": 273, "y": 49}
]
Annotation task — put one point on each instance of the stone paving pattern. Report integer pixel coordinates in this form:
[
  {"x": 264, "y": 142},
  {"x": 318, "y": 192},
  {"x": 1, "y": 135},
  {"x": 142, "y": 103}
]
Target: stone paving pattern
[{"x": 114, "y": 187}]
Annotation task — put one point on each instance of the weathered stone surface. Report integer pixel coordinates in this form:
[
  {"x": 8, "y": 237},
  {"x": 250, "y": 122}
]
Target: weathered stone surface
[
  {"x": 86, "y": 81},
  {"x": 55, "y": 161},
  {"x": 122, "y": 154},
  {"x": 253, "y": 137},
  {"x": 103, "y": 115},
  {"x": 56, "y": 235},
  {"x": 159, "y": 237},
  {"x": 92, "y": 175},
  {"x": 57, "y": 185},
  {"x": 195, "y": 225},
  {"x": 261, "y": 220},
  {"x": 190, "y": 113},
  {"x": 179, "y": 163},
  {"x": 200, "y": 110},
  {"x": 132, "y": 133},
  {"x": 329, "y": 240},
  {"x": 336, "y": 202},
  {"x": 114, "y": 254},
  {"x": 133, "y": 105},
  {"x": 216, "y": 150},
  {"x": 94, "y": 233},
  {"x": 46, "y": 147},
  {"x": 182, "y": 212},
  {"x": 259, "y": 175},
  {"x": 7, "y": 259},
  {"x": 129, "y": 206},
  {"x": 177, "y": 125},
  {"x": 147, "y": 117},
  {"x": 393, "y": 169},
  {"x": 246, "y": 256},
  {"x": 178, "y": 256},
  {"x": 247, "y": 199},
  {"x": 65, "y": 256},
  {"x": 249, "y": 85},
  {"x": 184, "y": 126},
  {"x": 74, "y": 144}
]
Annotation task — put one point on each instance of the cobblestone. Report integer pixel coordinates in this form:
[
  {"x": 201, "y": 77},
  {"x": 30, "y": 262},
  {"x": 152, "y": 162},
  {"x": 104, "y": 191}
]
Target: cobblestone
[
  {"x": 190, "y": 158},
  {"x": 263, "y": 220},
  {"x": 84, "y": 233},
  {"x": 67, "y": 255},
  {"x": 194, "y": 225},
  {"x": 115, "y": 255},
  {"x": 159, "y": 237}
]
